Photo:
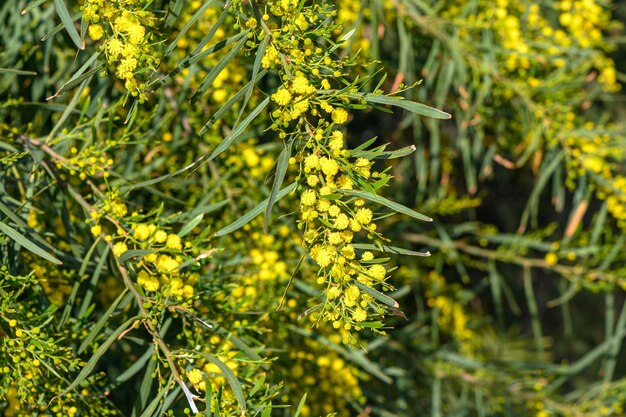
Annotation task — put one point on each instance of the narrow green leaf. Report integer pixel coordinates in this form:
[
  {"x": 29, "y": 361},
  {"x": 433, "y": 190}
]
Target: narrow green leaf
[
  {"x": 149, "y": 411},
  {"x": 129, "y": 254},
  {"x": 58, "y": 28},
  {"x": 412, "y": 106},
  {"x": 382, "y": 154},
  {"x": 196, "y": 57},
  {"x": 371, "y": 324},
  {"x": 385, "y": 299},
  {"x": 267, "y": 411},
  {"x": 32, "y": 5},
  {"x": 234, "y": 99},
  {"x": 16, "y": 71},
  {"x": 161, "y": 178},
  {"x": 217, "y": 69},
  {"x": 173, "y": 12},
  {"x": 186, "y": 229},
  {"x": 300, "y": 405},
  {"x": 281, "y": 169},
  {"x": 27, "y": 244},
  {"x": 145, "y": 389},
  {"x": 232, "y": 380},
  {"x": 364, "y": 145},
  {"x": 399, "y": 208},
  {"x": 208, "y": 397},
  {"x": 106, "y": 317},
  {"x": 254, "y": 212},
  {"x": 136, "y": 367},
  {"x": 188, "y": 25},
  {"x": 87, "y": 306},
  {"x": 238, "y": 343},
  {"x": 11, "y": 215},
  {"x": 238, "y": 131},
  {"x": 69, "y": 304},
  {"x": 91, "y": 364},
  {"x": 68, "y": 23},
  {"x": 255, "y": 70},
  {"x": 80, "y": 75},
  {"x": 388, "y": 249},
  {"x": 68, "y": 110}
]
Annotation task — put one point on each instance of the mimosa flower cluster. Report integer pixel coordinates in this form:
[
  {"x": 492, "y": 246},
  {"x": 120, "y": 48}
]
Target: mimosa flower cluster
[{"x": 124, "y": 31}]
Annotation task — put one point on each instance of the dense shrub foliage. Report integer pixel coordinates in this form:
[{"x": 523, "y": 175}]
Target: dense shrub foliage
[{"x": 292, "y": 207}]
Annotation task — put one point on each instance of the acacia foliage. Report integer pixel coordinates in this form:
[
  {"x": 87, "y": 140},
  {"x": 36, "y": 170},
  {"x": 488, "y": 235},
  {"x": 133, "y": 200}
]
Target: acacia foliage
[{"x": 216, "y": 207}]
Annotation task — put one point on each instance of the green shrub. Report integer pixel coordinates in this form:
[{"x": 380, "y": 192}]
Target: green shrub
[{"x": 214, "y": 208}]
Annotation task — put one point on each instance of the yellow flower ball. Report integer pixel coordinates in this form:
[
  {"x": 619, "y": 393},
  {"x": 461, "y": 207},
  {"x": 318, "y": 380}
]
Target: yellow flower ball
[
  {"x": 119, "y": 248},
  {"x": 95, "y": 32},
  {"x": 339, "y": 116}
]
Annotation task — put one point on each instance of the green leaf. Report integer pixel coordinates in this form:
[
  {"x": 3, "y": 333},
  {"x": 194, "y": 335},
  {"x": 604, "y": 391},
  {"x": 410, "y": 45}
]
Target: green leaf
[
  {"x": 68, "y": 23},
  {"x": 388, "y": 249},
  {"x": 32, "y": 5},
  {"x": 371, "y": 324},
  {"x": 123, "y": 298},
  {"x": 385, "y": 299},
  {"x": 300, "y": 405},
  {"x": 238, "y": 343},
  {"x": 149, "y": 411},
  {"x": 254, "y": 212},
  {"x": 196, "y": 57},
  {"x": 232, "y": 380},
  {"x": 136, "y": 367},
  {"x": 267, "y": 411},
  {"x": 27, "y": 244},
  {"x": 80, "y": 75},
  {"x": 91, "y": 364},
  {"x": 238, "y": 131},
  {"x": 399, "y": 208},
  {"x": 364, "y": 145},
  {"x": 161, "y": 178},
  {"x": 255, "y": 70},
  {"x": 189, "y": 23},
  {"x": 380, "y": 153},
  {"x": 217, "y": 69},
  {"x": 129, "y": 254},
  {"x": 412, "y": 106},
  {"x": 281, "y": 169},
  {"x": 16, "y": 71},
  {"x": 173, "y": 12},
  {"x": 234, "y": 99},
  {"x": 145, "y": 389},
  {"x": 186, "y": 229}
]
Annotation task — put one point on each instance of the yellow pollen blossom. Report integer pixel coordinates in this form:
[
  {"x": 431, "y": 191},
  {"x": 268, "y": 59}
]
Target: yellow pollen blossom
[
  {"x": 308, "y": 198},
  {"x": 173, "y": 242},
  {"x": 339, "y": 116},
  {"x": 282, "y": 97},
  {"x": 160, "y": 236},
  {"x": 195, "y": 376},
  {"x": 359, "y": 314},
  {"x": 330, "y": 167},
  {"x": 325, "y": 256},
  {"x": 136, "y": 33},
  {"x": 363, "y": 215},
  {"x": 342, "y": 221},
  {"x": 95, "y": 32},
  {"x": 166, "y": 263},
  {"x": 351, "y": 295},
  {"x": 147, "y": 281},
  {"x": 119, "y": 248},
  {"x": 142, "y": 232}
]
